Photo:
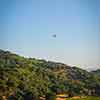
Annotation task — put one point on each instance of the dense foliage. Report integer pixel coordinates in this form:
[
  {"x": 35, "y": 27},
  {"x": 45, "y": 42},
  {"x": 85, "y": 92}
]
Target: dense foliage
[
  {"x": 22, "y": 78},
  {"x": 87, "y": 98}
]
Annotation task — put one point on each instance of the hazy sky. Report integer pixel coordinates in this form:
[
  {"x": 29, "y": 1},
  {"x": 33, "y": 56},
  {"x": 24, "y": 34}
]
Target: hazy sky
[{"x": 26, "y": 28}]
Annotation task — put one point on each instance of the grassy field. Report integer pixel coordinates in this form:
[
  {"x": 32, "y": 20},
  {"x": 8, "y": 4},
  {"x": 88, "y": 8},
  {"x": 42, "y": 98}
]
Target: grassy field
[{"x": 87, "y": 98}]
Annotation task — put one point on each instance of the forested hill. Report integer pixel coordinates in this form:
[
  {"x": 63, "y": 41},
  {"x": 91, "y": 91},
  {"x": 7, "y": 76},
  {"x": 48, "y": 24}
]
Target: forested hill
[
  {"x": 20, "y": 76},
  {"x": 96, "y": 72}
]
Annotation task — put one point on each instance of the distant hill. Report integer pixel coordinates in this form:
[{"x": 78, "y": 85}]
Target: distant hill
[
  {"x": 96, "y": 72},
  {"x": 22, "y": 76}
]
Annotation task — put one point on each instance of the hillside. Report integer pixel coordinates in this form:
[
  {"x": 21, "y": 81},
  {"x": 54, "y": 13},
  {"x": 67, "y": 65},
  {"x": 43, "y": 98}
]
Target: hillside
[
  {"x": 96, "y": 72},
  {"x": 21, "y": 76}
]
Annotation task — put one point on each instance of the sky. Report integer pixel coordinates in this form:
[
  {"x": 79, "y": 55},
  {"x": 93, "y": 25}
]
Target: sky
[{"x": 27, "y": 26}]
